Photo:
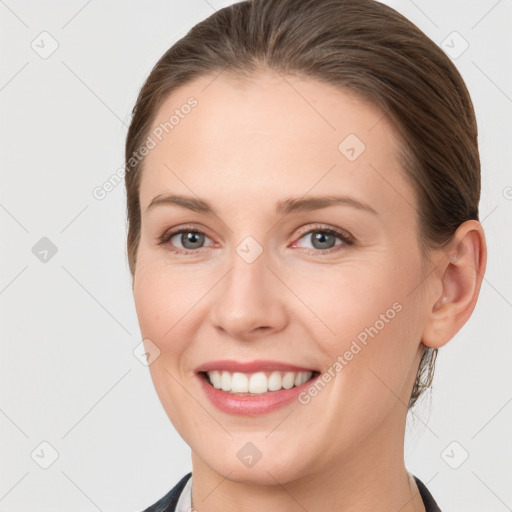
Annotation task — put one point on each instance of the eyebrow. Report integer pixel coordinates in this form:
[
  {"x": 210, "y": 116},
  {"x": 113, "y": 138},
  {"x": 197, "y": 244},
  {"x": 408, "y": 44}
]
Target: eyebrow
[{"x": 283, "y": 207}]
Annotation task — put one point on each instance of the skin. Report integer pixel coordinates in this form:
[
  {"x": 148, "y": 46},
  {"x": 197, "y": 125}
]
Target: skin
[{"x": 248, "y": 144}]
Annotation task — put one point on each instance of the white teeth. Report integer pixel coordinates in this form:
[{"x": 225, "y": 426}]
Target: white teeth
[
  {"x": 215, "y": 379},
  {"x": 256, "y": 383},
  {"x": 274, "y": 381},
  {"x": 225, "y": 381},
  {"x": 239, "y": 382},
  {"x": 288, "y": 380}
]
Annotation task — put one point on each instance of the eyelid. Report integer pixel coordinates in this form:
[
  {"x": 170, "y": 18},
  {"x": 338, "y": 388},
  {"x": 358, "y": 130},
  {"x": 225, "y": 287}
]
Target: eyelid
[
  {"x": 304, "y": 230},
  {"x": 186, "y": 227}
]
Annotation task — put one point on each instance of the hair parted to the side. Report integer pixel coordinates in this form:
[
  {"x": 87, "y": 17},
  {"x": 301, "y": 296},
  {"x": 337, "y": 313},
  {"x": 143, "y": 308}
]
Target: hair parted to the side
[{"x": 358, "y": 44}]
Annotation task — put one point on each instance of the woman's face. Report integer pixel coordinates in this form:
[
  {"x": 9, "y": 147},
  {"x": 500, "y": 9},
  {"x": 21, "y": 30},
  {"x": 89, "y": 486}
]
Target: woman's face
[{"x": 306, "y": 257}]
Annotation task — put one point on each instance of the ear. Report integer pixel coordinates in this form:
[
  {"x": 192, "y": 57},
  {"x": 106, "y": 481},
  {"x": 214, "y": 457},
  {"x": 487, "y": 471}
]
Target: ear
[{"x": 460, "y": 272}]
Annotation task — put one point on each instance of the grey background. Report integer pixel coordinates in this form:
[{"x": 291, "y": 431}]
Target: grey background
[{"x": 68, "y": 374}]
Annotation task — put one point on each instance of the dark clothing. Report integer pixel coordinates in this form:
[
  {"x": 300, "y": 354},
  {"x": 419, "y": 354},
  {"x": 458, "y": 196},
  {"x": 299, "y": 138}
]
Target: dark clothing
[{"x": 169, "y": 501}]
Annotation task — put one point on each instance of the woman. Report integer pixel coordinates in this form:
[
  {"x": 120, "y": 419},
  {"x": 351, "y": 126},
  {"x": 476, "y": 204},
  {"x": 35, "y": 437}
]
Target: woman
[{"x": 303, "y": 182}]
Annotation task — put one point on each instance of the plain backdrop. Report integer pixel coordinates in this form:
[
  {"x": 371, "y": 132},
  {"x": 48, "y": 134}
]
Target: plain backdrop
[{"x": 73, "y": 395}]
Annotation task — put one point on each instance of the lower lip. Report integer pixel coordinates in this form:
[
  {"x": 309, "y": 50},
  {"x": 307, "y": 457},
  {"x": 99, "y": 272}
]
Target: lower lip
[{"x": 251, "y": 405}]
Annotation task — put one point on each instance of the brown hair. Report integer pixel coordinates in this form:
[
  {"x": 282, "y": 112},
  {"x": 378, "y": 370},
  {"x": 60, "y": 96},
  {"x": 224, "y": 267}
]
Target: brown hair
[{"x": 360, "y": 44}]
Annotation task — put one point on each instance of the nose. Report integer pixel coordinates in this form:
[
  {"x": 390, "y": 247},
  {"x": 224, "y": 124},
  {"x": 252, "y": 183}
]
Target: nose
[{"x": 250, "y": 300}]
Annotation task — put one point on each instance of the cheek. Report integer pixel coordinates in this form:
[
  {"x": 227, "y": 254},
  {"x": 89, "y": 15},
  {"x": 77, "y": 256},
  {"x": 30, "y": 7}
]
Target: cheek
[
  {"x": 163, "y": 299},
  {"x": 369, "y": 334},
  {"x": 153, "y": 301},
  {"x": 374, "y": 325},
  {"x": 350, "y": 301}
]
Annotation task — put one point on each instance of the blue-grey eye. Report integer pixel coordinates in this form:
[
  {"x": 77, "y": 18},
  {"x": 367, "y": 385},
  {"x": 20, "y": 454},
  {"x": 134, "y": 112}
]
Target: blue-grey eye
[
  {"x": 190, "y": 239},
  {"x": 322, "y": 240}
]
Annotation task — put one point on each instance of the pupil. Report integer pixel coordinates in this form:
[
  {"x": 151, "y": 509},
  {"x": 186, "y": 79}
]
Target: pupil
[
  {"x": 323, "y": 239},
  {"x": 192, "y": 237}
]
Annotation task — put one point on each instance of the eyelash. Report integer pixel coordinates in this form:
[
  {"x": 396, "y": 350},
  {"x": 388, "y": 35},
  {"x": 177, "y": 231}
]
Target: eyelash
[{"x": 344, "y": 236}]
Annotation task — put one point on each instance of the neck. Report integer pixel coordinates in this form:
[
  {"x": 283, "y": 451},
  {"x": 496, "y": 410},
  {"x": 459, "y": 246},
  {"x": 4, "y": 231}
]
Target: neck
[{"x": 370, "y": 476}]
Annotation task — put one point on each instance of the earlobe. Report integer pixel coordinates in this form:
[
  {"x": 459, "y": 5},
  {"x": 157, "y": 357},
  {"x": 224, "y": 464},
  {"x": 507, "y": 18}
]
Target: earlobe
[{"x": 461, "y": 270}]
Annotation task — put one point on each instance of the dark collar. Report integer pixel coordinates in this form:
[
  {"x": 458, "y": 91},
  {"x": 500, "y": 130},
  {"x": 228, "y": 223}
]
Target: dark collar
[
  {"x": 170, "y": 500},
  {"x": 428, "y": 499}
]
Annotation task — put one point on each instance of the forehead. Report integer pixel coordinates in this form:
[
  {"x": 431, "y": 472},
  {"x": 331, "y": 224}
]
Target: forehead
[{"x": 268, "y": 132}]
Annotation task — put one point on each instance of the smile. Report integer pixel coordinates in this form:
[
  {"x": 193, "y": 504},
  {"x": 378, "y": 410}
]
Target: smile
[
  {"x": 256, "y": 383},
  {"x": 253, "y": 388}
]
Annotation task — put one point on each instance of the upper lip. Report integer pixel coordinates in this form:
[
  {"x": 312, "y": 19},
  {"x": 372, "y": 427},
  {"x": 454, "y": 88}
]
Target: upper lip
[{"x": 250, "y": 366}]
